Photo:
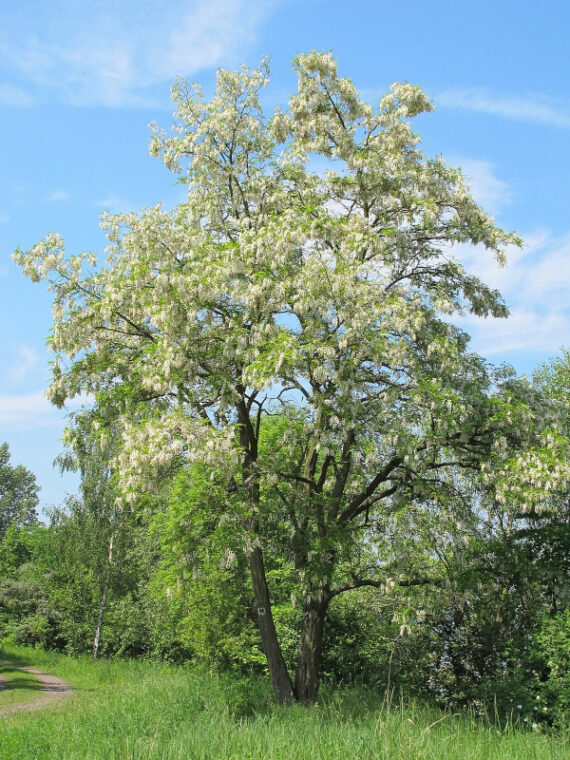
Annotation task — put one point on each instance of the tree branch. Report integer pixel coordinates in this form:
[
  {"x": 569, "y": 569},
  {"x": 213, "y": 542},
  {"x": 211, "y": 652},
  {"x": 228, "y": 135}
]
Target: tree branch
[
  {"x": 362, "y": 582},
  {"x": 355, "y": 506}
]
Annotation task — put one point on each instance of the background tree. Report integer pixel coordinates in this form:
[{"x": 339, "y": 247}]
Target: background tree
[
  {"x": 495, "y": 634},
  {"x": 18, "y": 493},
  {"x": 106, "y": 549},
  {"x": 274, "y": 290},
  {"x": 92, "y": 458}
]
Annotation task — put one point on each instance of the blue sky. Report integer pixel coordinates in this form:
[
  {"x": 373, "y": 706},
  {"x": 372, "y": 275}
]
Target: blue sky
[{"x": 80, "y": 82}]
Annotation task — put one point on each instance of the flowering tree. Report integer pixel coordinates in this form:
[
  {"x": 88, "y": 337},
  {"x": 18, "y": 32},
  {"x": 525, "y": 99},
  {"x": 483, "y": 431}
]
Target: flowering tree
[{"x": 288, "y": 327}]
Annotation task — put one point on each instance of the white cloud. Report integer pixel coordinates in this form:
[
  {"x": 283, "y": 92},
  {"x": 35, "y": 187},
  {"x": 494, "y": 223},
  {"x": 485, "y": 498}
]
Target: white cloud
[
  {"x": 534, "y": 282},
  {"x": 535, "y": 285},
  {"x": 27, "y": 360},
  {"x": 209, "y": 31},
  {"x": 110, "y": 53},
  {"x": 531, "y": 108},
  {"x": 115, "y": 204},
  {"x": 14, "y": 97},
  {"x": 4, "y": 218},
  {"x": 490, "y": 192},
  {"x": 523, "y": 331},
  {"x": 538, "y": 273},
  {"x": 27, "y": 411},
  {"x": 33, "y": 410},
  {"x": 56, "y": 196}
]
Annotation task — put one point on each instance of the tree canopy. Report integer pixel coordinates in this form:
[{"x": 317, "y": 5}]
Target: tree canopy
[
  {"x": 18, "y": 493},
  {"x": 288, "y": 327}
]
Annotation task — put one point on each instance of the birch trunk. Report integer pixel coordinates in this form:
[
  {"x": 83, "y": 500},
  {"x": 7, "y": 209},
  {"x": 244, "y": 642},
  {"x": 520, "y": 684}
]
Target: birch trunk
[{"x": 103, "y": 602}]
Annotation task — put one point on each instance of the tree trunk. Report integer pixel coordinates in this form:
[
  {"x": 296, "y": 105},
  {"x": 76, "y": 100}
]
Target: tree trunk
[
  {"x": 103, "y": 601},
  {"x": 310, "y": 646},
  {"x": 102, "y": 604},
  {"x": 277, "y": 668}
]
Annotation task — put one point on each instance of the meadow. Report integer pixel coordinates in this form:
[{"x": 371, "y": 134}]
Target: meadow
[{"x": 134, "y": 710}]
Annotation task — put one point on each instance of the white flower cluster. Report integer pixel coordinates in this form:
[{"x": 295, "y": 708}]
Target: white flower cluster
[
  {"x": 149, "y": 449},
  {"x": 534, "y": 479}
]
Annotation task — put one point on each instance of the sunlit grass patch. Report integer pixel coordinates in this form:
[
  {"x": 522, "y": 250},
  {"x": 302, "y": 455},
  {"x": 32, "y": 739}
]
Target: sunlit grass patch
[{"x": 17, "y": 687}]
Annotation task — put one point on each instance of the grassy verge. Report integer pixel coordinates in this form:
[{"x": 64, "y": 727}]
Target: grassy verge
[{"x": 144, "y": 711}]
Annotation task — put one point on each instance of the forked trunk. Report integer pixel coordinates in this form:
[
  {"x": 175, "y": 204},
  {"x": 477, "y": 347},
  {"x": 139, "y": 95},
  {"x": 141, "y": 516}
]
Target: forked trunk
[
  {"x": 310, "y": 647},
  {"x": 277, "y": 668}
]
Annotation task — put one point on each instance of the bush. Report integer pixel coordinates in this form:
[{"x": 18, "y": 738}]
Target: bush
[
  {"x": 26, "y": 615},
  {"x": 553, "y": 647},
  {"x": 359, "y": 640}
]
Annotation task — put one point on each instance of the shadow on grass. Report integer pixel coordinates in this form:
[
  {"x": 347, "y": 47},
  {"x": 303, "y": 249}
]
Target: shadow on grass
[
  {"x": 21, "y": 683},
  {"x": 10, "y": 661},
  {"x": 13, "y": 681}
]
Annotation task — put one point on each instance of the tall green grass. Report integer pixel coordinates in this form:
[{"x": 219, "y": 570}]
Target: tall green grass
[{"x": 128, "y": 710}]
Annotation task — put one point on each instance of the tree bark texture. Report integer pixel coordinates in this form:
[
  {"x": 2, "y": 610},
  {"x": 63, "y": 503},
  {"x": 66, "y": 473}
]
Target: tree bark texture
[
  {"x": 277, "y": 668},
  {"x": 310, "y": 646}
]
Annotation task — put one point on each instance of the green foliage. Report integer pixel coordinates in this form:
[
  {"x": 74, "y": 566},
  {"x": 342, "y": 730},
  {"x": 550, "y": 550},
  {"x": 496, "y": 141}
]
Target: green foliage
[
  {"x": 552, "y": 646},
  {"x": 27, "y": 615},
  {"x": 202, "y": 579},
  {"x": 360, "y": 639},
  {"x": 18, "y": 494},
  {"x": 20, "y": 545}
]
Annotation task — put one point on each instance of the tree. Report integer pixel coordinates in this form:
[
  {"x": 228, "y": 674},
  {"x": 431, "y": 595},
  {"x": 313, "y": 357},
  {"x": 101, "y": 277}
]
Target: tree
[
  {"x": 497, "y": 633},
  {"x": 18, "y": 494},
  {"x": 92, "y": 460},
  {"x": 320, "y": 299},
  {"x": 101, "y": 541}
]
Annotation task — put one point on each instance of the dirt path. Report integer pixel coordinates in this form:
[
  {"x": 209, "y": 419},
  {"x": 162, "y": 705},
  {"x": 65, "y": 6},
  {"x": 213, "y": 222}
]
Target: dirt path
[{"x": 52, "y": 689}]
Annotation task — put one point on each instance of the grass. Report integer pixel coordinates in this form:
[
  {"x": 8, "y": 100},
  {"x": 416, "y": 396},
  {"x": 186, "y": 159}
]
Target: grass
[
  {"x": 129, "y": 710},
  {"x": 17, "y": 687}
]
